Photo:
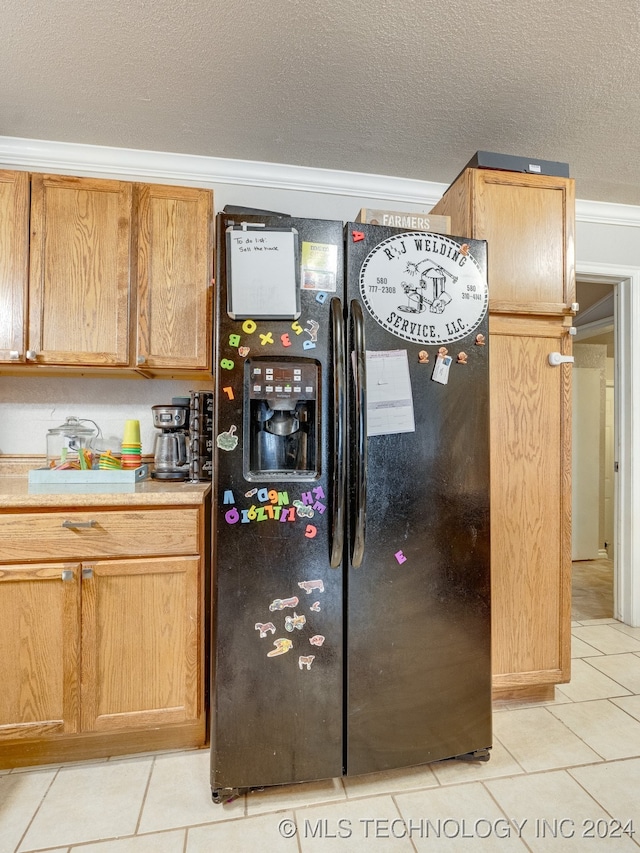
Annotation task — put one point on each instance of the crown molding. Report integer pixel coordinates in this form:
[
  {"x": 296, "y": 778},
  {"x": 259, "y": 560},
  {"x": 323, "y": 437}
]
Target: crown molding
[
  {"x": 608, "y": 213},
  {"x": 193, "y": 170},
  {"x": 101, "y": 161}
]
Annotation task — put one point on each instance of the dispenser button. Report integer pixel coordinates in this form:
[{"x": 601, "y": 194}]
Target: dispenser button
[
  {"x": 257, "y": 387},
  {"x": 278, "y": 389},
  {"x": 296, "y": 389},
  {"x": 257, "y": 371},
  {"x": 269, "y": 389},
  {"x": 309, "y": 389}
]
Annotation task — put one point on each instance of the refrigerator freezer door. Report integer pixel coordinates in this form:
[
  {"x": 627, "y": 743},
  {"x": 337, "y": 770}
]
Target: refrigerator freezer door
[{"x": 277, "y": 604}]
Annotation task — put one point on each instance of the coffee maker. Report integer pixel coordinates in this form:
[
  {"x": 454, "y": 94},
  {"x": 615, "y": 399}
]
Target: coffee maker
[{"x": 170, "y": 455}]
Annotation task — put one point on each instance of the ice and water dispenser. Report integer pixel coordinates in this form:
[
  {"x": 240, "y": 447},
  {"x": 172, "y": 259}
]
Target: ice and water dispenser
[{"x": 281, "y": 419}]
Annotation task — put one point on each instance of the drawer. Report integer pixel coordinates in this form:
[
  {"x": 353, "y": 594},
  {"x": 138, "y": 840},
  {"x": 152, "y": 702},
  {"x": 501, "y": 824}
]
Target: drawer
[{"x": 105, "y": 533}]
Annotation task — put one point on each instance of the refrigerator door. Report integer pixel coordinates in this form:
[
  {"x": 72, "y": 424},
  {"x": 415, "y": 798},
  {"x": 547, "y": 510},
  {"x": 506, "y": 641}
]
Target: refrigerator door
[
  {"x": 418, "y": 685},
  {"x": 277, "y": 672}
]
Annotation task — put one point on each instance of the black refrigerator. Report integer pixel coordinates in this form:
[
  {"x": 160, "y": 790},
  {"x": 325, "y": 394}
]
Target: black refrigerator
[{"x": 351, "y": 584}]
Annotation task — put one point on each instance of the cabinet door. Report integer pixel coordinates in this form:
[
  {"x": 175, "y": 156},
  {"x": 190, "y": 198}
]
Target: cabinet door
[
  {"x": 14, "y": 264},
  {"x": 528, "y": 221},
  {"x": 530, "y": 409},
  {"x": 529, "y": 224},
  {"x": 141, "y": 647},
  {"x": 79, "y": 276},
  {"x": 39, "y": 639},
  {"x": 175, "y": 265}
]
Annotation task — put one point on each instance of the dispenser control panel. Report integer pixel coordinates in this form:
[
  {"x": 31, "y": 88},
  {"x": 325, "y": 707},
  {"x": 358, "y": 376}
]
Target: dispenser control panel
[{"x": 283, "y": 380}]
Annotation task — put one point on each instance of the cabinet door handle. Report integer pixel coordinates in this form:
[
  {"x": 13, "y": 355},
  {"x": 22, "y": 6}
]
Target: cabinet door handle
[
  {"x": 87, "y": 573},
  {"x": 67, "y": 574},
  {"x": 73, "y": 524},
  {"x": 141, "y": 359},
  {"x": 14, "y": 355},
  {"x": 31, "y": 354}
]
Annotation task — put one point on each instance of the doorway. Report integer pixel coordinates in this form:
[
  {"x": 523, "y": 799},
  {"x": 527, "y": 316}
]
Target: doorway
[{"x": 593, "y": 454}]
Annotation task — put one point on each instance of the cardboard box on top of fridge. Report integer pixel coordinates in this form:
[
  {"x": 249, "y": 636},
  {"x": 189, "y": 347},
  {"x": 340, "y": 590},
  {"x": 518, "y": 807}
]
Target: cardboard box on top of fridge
[
  {"x": 511, "y": 163},
  {"x": 404, "y": 219}
]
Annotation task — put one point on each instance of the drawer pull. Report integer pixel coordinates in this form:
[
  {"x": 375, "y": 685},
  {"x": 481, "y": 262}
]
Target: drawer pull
[
  {"x": 67, "y": 574},
  {"x": 73, "y": 524},
  {"x": 87, "y": 574}
]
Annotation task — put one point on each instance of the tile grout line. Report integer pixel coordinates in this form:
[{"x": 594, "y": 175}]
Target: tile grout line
[
  {"x": 33, "y": 816},
  {"x": 144, "y": 796}
]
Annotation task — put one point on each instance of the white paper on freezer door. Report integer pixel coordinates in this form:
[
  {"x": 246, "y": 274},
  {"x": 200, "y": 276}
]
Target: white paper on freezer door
[{"x": 389, "y": 396}]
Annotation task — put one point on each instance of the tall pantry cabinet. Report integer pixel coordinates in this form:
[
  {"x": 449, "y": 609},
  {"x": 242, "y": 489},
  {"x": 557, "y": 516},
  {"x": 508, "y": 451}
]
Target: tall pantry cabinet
[{"x": 529, "y": 223}]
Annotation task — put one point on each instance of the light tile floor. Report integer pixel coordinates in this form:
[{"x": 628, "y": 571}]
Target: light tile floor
[{"x": 563, "y": 775}]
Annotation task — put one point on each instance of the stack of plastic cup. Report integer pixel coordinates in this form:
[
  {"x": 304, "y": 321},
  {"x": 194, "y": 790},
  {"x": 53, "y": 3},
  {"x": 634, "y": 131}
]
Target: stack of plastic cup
[{"x": 131, "y": 447}]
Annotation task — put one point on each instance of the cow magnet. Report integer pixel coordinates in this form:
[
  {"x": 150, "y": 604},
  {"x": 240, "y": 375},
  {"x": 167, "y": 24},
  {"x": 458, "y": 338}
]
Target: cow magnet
[{"x": 309, "y": 586}]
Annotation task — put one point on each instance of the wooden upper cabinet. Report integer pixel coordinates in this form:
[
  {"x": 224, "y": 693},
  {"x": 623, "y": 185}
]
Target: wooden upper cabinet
[
  {"x": 174, "y": 269},
  {"x": 80, "y": 266},
  {"x": 14, "y": 264},
  {"x": 529, "y": 223}
]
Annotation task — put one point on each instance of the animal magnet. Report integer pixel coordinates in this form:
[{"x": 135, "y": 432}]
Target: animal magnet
[
  {"x": 316, "y": 640},
  {"x": 264, "y": 627},
  {"x": 312, "y": 330},
  {"x": 282, "y": 646},
  {"x": 306, "y": 660},
  {"x": 315, "y": 607},
  {"x": 309, "y": 586}
]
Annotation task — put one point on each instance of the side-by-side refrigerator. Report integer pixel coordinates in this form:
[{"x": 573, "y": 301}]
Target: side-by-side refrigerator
[{"x": 351, "y": 586}]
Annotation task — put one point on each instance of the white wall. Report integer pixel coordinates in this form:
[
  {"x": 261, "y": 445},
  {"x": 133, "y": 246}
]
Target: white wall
[{"x": 29, "y": 406}]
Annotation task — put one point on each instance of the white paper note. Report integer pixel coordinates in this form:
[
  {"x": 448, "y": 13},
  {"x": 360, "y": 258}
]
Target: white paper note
[{"x": 389, "y": 396}]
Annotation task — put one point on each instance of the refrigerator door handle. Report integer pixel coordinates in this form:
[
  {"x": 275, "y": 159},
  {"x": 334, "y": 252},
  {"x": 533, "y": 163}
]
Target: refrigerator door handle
[
  {"x": 339, "y": 409},
  {"x": 360, "y": 437}
]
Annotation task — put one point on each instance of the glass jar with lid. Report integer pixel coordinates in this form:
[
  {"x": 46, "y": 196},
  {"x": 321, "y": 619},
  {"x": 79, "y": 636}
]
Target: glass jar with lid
[{"x": 66, "y": 442}]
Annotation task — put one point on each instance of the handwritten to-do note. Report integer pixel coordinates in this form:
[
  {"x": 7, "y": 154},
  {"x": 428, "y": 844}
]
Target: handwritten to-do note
[{"x": 262, "y": 273}]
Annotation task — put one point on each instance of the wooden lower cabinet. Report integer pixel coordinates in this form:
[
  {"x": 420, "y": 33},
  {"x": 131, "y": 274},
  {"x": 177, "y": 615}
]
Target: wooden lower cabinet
[
  {"x": 103, "y": 656},
  {"x": 530, "y": 408},
  {"x": 140, "y": 661},
  {"x": 40, "y": 642}
]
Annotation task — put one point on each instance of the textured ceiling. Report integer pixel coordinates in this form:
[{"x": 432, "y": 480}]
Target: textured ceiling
[{"x": 409, "y": 89}]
